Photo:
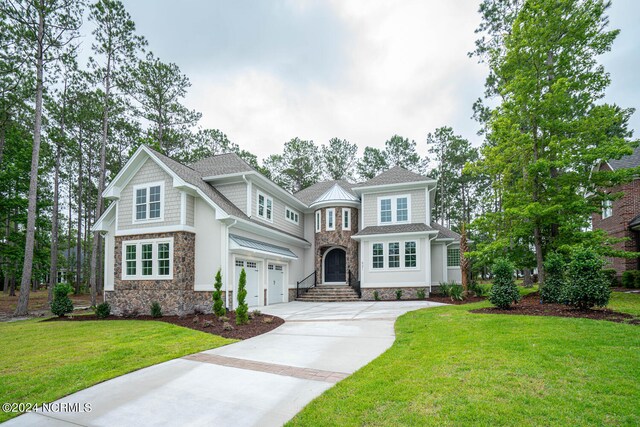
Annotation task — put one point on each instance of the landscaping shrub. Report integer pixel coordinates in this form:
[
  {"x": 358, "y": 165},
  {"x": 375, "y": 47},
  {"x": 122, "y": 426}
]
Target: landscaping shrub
[
  {"x": 456, "y": 292},
  {"x": 445, "y": 289},
  {"x": 504, "y": 291},
  {"x": 226, "y": 326},
  {"x": 61, "y": 303},
  {"x": 103, "y": 310},
  {"x": 156, "y": 310},
  {"x": 612, "y": 276},
  {"x": 554, "y": 282},
  {"x": 398, "y": 293},
  {"x": 479, "y": 290},
  {"x": 587, "y": 285},
  {"x": 242, "y": 316},
  {"x": 376, "y": 296},
  {"x": 218, "y": 305},
  {"x": 421, "y": 294},
  {"x": 630, "y": 278}
]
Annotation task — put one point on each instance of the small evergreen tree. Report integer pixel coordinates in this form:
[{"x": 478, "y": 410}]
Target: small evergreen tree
[
  {"x": 218, "y": 305},
  {"x": 504, "y": 291},
  {"x": 554, "y": 281},
  {"x": 242, "y": 312},
  {"x": 61, "y": 303},
  {"x": 587, "y": 285}
]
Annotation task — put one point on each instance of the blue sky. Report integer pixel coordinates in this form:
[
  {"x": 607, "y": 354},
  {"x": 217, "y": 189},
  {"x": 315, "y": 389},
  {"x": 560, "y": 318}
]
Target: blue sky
[{"x": 267, "y": 71}]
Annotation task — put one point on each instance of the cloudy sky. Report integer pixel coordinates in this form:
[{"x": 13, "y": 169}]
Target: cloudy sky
[{"x": 264, "y": 72}]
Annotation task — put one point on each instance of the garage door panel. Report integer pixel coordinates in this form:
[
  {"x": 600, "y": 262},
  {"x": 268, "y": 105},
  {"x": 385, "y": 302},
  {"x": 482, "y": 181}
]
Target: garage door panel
[
  {"x": 275, "y": 283},
  {"x": 252, "y": 271}
]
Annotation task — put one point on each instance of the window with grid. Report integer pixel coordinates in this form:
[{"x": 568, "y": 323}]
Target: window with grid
[
  {"x": 251, "y": 264},
  {"x": 148, "y": 202},
  {"x": 453, "y": 257},
  {"x": 265, "y": 207},
  {"x": 153, "y": 257},
  {"x": 154, "y": 202},
  {"x": 141, "y": 203},
  {"x": 385, "y": 210},
  {"x": 147, "y": 259},
  {"x": 410, "y": 259},
  {"x": 394, "y": 255},
  {"x": 164, "y": 261},
  {"x": 131, "y": 260},
  {"x": 402, "y": 209},
  {"x": 378, "y": 255}
]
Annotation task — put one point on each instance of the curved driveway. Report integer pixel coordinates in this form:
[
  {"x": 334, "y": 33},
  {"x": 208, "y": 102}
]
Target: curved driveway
[{"x": 262, "y": 381}]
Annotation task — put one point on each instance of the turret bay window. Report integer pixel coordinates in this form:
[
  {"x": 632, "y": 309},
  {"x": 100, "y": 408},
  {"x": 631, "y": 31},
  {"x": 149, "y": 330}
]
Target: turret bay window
[
  {"x": 148, "y": 200},
  {"x": 331, "y": 219},
  {"x": 453, "y": 257},
  {"x": 318, "y": 221},
  {"x": 346, "y": 219},
  {"x": 394, "y": 209},
  {"x": 147, "y": 259}
]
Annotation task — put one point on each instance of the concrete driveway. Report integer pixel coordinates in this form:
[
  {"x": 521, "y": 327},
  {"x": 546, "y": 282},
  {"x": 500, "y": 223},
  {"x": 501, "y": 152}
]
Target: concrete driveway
[{"x": 262, "y": 381}]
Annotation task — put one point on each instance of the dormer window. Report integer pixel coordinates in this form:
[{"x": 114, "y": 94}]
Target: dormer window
[
  {"x": 607, "y": 209},
  {"x": 394, "y": 209},
  {"x": 148, "y": 200},
  {"x": 265, "y": 207}
]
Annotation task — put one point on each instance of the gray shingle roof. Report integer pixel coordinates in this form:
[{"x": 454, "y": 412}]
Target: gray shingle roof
[
  {"x": 252, "y": 244},
  {"x": 627, "y": 162},
  {"x": 444, "y": 232},
  {"x": 310, "y": 194},
  {"x": 395, "y": 175},
  {"x": 397, "y": 228},
  {"x": 221, "y": 164}
]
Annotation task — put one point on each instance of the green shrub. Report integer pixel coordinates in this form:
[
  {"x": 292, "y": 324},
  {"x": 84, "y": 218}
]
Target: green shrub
[
  {"x": 504, "y": 291},
  {"x": 456, "y": 292},
  {"x": 398, "y": 293},
  {"x": 554, "y": 281},
  {"x": 421, "y": 294},
  {"x": 103, "y": 310},
  {"x": 156, "y": 310},
  {"x": 61, "y": 303},
  {"x": 587, "y": 285},
  {"x": 218, "y": 305},
  {"x": 242, "y": 312},
  {"x": 376, "y": 296},
  {"x": 445, "y": 289},
  {"x": 612, "y": 276},
  {"x": 479, "y": 290},
  {"x": 629, "y": 278}
]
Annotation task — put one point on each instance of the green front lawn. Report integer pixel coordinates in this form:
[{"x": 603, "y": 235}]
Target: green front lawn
[
  {"x": 451, "y": 367},
  {"x": 44, "y": 361}
]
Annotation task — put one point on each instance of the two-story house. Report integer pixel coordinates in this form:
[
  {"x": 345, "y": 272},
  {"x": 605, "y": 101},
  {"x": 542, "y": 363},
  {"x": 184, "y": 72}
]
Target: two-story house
[
  {"x": 620, "y": 218},
  {"x": 170, "y": 227}
]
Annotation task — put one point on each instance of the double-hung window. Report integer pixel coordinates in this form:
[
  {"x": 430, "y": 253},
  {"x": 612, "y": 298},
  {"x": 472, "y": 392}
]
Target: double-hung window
[
  {"x": 265, "y": 207},
  {"x": 394, "y": 255},
  {"x": 378, "y": 255},
  {"x": 385, "y": 211},
  {"x": 394, "y": 209},
  {"x": 148, "y": 259},
  {"x": 148, "y": 200},
  {"x": 410, "y": 258},
  {"x": 346, "y": 219}
]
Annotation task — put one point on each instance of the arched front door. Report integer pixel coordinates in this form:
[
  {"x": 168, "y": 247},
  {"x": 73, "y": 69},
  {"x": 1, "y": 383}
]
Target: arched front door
[{"x": 335, "y": 266}]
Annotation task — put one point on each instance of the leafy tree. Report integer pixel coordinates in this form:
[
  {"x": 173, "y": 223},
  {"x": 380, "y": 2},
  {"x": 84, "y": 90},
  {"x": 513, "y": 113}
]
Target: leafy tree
[
  {"x": 297, "y": 168},
  {"x": 548, "y": 131},
  {"x": 554, "y": 285},
  {"x": 206, "y": 143},
  {"x": 504, "y": 291},
  {"x": 587, "y": 285},
  {"x": 218, "y": 305},
  {"x": 372, "y": 163},
  {"x": 242, "y": 311},
  {"x": 339, "y": 159},
  {"x": 399, "y": 151}
]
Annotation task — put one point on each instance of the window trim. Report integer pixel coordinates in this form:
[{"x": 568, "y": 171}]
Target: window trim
[
  {"x": 348, "y": 211},
  {"x": 290, "y": 212},
  {"x": 333, "y": 211},
  {"x": 318, "y": 221},
  {"x": 401, "y": 256},
  {"x": 394, "y": 209},
  {"x": 154, "y": 259},
  {"x": 265, "y": 216},
  {"x": 607, "y": 209},
  {"x": 389, "y": 255},
  {"x": 147, "y": 187}
]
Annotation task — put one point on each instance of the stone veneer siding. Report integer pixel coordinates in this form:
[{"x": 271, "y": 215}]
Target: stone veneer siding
[
  {"x": 175, "y": 296},
  {"x": 387, "y": 294},
  {"x": 325, "y": 240}
]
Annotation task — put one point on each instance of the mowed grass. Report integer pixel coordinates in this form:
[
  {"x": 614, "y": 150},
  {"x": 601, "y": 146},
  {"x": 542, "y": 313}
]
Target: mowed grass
[
  {"x": 451, "y": 367},
  {"x": 44, "y": 361},
  {"x": 625, "y": 303}
]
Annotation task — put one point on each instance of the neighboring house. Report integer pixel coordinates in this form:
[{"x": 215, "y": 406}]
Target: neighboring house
[
  {"x": 170, "y": 227},
  {"x": 621, "y": 218}
]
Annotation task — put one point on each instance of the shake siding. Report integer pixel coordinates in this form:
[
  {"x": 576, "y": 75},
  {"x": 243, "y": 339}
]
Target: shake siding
[
  {"x": 190, "y": 210},
  {"x": 236, "y": 193},
  {"x": 418, "y": 206},
  {"x": 279, "y": 220},
  {"x": 148, "y": 173}
]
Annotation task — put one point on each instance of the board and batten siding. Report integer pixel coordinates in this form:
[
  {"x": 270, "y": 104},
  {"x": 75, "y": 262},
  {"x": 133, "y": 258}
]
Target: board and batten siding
[
  {"x": 279, "y": 220},
  {"x": 418, "y": 206},
  {"x": 149, "y": 172},
  {"x": 236, "y": 193}
]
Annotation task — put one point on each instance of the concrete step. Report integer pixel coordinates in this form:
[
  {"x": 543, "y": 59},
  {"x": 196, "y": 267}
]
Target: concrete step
[{"x": 329, "y": 293}]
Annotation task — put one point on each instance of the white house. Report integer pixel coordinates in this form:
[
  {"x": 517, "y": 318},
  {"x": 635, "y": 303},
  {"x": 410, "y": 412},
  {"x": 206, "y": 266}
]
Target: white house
[{"x": 170, "y": 227}]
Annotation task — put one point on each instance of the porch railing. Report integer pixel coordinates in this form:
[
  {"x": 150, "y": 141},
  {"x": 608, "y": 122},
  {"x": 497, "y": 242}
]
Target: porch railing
[
  {"x": 305, "y": 284},
  {"x": 354, "y": 283}
]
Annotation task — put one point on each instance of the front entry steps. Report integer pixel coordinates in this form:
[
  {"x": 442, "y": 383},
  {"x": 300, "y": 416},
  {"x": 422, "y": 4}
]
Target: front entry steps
[{"x": 326, "y": 293}]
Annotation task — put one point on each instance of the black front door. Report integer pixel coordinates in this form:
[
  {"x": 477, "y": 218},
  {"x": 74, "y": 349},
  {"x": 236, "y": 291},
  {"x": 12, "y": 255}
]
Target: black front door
[{"x": 335, "y": 266}]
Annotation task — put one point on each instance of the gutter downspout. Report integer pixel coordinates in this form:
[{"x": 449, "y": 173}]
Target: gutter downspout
[{"x": 226, "y": 262}]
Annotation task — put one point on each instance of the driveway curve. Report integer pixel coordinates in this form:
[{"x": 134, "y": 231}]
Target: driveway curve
[{"x": 262, "y": 381}]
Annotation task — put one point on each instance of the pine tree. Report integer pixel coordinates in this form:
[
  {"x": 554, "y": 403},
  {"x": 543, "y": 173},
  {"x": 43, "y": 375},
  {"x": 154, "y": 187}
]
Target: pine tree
[
  {"x": 218, "y": 304},
  {"x": 242, "y": 312}
]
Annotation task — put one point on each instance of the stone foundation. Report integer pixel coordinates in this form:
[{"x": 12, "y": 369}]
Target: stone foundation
[
  {"x": 389, "y": 294},
  {"x": 292, "y": 294}
]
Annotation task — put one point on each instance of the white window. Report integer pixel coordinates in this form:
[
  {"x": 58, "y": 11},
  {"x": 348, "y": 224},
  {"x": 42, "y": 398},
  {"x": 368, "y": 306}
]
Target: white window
[
  {"x": 394, "y": 209},
  {"x": 453, "y": 257},
  {"x": 265, "y": 207},
  {"x": 148, "y": 259},
  {"x": 378, "y": 255},
  {"x": 318, "y": 221},
  {"x": 291, "y": 215},
  {"x": 346, "y": 219},
  {"x": 331, "y": 219},
  {"x": 148, "y": 202},
  {"x": 394, "y": 255},
  {"x": 607, "y": 209},
  {"x": 410, "y": 259}
]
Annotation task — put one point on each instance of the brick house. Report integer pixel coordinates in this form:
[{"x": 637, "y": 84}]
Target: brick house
[{"x": 621, "y": 218}]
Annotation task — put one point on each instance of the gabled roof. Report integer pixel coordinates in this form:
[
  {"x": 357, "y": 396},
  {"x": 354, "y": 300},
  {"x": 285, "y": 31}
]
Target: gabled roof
[
  {"x": 221, "y": 164},
  {"x": 395, "y": 175},
  {"x": 444, "y": 232},
  {"x": 317, "y": 190},
  {"x": 626, "y": 162}
]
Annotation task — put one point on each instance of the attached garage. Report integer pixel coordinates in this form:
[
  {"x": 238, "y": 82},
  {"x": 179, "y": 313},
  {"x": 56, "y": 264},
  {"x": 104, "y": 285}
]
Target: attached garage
[
  {"x": 252, "y": 270},
  {"x": 275, "y": 284}
]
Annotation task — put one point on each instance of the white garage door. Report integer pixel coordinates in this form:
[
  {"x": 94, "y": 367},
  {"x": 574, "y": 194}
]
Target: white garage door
[
  {"x": 252, "y": 269},
  {"x": 275, "y": 284}
]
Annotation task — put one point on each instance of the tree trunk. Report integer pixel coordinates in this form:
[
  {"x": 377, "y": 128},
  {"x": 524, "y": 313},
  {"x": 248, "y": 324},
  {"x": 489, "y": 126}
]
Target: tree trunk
[
  {"x": 79, "y": 234},
  {"x": 464, "y": 261},
  {"x": 527, "y": 282},
  {"x": 23, "y": 301},
  {"x": 53, "y": 272}
]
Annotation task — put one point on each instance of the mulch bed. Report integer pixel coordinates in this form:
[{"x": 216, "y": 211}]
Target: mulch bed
[
  {"x": 448, "y": 300},
  {"x": 530, "y": 305},
  {"x": 208, "y": 323}
]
